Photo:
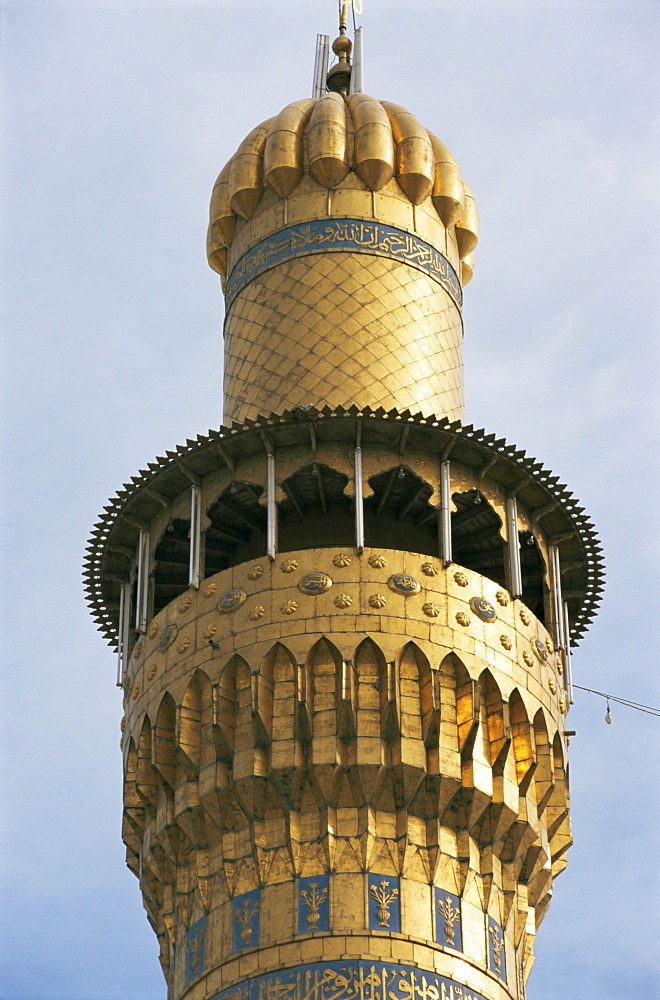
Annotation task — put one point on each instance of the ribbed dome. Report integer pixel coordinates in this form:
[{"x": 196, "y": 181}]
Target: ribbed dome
[{"x": 327, "y": 138}]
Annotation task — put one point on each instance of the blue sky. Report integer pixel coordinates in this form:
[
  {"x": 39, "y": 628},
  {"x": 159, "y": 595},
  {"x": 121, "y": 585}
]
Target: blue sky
[{"x": 118, "y": 117}]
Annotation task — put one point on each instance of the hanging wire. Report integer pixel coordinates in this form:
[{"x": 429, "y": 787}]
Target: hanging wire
[{"x": 638, "y": 706}]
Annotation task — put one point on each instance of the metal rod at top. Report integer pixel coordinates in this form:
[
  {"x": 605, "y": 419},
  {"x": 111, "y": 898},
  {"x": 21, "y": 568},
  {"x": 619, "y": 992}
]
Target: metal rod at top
[
  {"x": 357, "y": 80},
  {"x": 320, "y": 64}
]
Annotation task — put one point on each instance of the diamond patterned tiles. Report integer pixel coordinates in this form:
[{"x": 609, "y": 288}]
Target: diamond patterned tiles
[{"x": 343, "y": 328}]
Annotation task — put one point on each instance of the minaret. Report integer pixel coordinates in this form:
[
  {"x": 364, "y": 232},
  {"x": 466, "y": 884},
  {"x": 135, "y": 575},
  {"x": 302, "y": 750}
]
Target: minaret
[{"x": 344, "y": 620}]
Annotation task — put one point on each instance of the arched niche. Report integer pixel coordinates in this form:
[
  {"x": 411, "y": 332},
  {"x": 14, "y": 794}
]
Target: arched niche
[
  {"x": 171, "y": 563},
  {"x": 237, "y": 529},
  {"x": 476, "y": 537},
  {"x": 316, "y": 511},
  {"x": 398, "y": 514},
  {"x": 147, "y": 781},
  {"x": 164, "y": 753},
  {"x": 522, "y": 739},
  {"x": 195, "y": 718}
]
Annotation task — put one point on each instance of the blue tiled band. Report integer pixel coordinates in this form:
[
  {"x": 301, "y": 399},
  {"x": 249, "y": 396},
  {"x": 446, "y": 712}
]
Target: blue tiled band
[
  {"x": 349, "y": 981},
  {"x": 337, "y": 235}
]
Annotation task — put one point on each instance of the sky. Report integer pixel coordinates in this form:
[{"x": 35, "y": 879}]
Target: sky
[{"x": 118, "y": 116}]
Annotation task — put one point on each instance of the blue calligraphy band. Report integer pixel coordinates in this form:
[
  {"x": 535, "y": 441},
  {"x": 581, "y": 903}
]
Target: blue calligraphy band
[
  {"x": 337, "y": 235},
  {"x": 349, "y": 981}
]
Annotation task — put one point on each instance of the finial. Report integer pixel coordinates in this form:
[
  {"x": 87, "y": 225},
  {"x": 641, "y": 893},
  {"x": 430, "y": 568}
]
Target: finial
[{"x": 339, "y": 77}]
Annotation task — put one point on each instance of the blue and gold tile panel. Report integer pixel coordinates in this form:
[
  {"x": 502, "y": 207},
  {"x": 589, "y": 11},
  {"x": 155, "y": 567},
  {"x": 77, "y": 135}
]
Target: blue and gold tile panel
[
  {"x": 448, "y": 931},
  {"x": 245, "y": 920},
  {"x": 313, "y": 904},
  {"x": 354, "y": 980},
  {"x": 496, "y": 951},
  {"x": 195, "y": 947},
  {"x": 352, "y": 235},
  {"x": 384, "y": 903}
]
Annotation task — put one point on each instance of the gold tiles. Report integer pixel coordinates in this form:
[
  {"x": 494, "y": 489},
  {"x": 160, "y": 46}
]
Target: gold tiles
[{"x": 339, "y": 329}]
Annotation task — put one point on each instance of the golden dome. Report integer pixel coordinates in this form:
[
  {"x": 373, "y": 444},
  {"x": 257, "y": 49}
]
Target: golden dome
[{"x": 329, "y": 138}]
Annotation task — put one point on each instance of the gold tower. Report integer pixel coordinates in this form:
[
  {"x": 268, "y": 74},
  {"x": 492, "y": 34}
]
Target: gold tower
[{"x": 344, "y": 620}]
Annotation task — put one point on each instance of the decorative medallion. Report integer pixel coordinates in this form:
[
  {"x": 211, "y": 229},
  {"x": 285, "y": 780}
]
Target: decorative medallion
[
  {"x": 552, "y": 684},
  {"x": 289, "y": 565},
  {"x": 289, "y": 608},
  {"x": 563, "y": 703},
  {"x": 184, "y": 604},
  {"x": 255, "y": 572},
  {"x": 343, "y": 601},
  {"x": 341, "y": 560},
  {"x": 496, "y": 956},
  {"x": 462, "y": 618},
  {"x": 232, "y": 600},
  {"x": 560, "y": 666},
  {"x": 524, "y": 617},
  {"x": 550, "y": 646},
  {"x": 246, "y": 913},
  {"x": 183, "y": 646},
  {"x": 540, "y": 650},
  {"x": 195, "y": 951},
  {"x": 429, "y": 569},
  {"x": 377, "y": 561},
  {"x": 528, "y": 658},
  {"x": 135, "y": 691},
  {"x": 448, "y": 920},
  {"x": 166, "y": 638},
  {"x": 377, "y": 601},
  {"x": 314, "y": 583},
  {"x": 502, "y": 598},
  {"x": 384, "y": 909},
  {"x": 431, "y": 610},
  {"x": 210, "y": 631},
  {"x": 153, "y": 630},
  {"x": 506, "y": 641},
  {"x": 403, "y": 583},
  {"x": 137, "y": 652},
  {"x": 313, "y": 910},
  {"x": 211, "y": 590},
  {"x": 483, "y": 609},
  {"x": 256, "y": 613},
  {"x": 461, "y": 579},
  {"x": 151, "y": 672}
]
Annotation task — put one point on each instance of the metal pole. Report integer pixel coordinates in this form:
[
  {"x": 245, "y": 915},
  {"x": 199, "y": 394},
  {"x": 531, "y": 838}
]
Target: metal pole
[
  {"x": 194, "y": 574},
  {"x": 320, "y": 64},
  {"x": 359, "y": 500},
  {"x": 557, "y": 603},
  {"x": 357, "y": 76},
  {"x": 271, "y": 510},
  {"x": 445, "y": 513},
  {"x": 142, "y": 582},
  {"x": 515, "y": 574},
  {"x": 124, "y": 622},
  {"x": 568, "y": 666}
]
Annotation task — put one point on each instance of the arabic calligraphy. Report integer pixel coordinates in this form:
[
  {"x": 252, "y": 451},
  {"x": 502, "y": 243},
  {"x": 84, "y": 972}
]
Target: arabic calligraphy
[
  {"x": 351, "y": 235},
  {"x": 351, "y": 981}
]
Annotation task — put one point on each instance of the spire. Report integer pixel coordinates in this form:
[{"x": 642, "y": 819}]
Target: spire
[{"x": 339, "y": 76}]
